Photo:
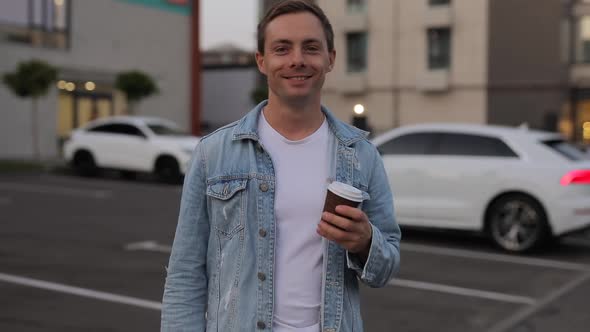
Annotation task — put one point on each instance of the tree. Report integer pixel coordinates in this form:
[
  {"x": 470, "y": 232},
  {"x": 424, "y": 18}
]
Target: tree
[
  {"x": 136, "y": 85},
  {"x": 32, "y": 79}
]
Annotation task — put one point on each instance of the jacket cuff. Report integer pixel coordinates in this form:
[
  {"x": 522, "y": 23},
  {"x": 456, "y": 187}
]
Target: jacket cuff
[{"x": 366, "y": 271}]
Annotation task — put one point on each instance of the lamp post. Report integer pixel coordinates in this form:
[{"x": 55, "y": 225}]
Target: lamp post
[{"x": 359, "y": 119}]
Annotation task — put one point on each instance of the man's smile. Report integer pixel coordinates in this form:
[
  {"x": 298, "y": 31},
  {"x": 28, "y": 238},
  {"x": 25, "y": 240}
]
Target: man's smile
[{"x": 298, "y": 77}]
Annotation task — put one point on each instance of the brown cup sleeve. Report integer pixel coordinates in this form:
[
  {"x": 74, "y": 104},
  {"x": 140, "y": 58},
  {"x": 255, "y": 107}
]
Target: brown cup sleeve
[{"x": 333, "y": 200}]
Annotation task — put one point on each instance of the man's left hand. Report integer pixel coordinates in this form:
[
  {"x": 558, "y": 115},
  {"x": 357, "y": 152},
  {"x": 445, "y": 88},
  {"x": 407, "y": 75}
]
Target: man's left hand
[{"x": 350, "y": 228}]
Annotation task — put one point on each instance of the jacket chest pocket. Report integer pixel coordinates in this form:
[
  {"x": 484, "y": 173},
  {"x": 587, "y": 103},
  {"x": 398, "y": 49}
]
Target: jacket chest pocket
[{"x": 227, "y": 204}]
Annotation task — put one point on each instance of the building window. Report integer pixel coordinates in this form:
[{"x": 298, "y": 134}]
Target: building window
[
  {"x": 439, "y": 48},
  {"x": 583, "y": 40},
  {"x": 357, "y": 6},
  {"x": 43, "y": 23},
  {"x": 356, "y": 51},
  {"x": 439, "y": 2}
]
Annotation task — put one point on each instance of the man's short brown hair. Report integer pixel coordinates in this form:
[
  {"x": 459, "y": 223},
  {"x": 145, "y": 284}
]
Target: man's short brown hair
[{"x": 291, "y": 7}]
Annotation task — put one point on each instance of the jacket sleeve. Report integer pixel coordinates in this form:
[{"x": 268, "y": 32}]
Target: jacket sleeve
[
  {"x": 185, "y": 292},
  {"x": 384, "y": 256}
]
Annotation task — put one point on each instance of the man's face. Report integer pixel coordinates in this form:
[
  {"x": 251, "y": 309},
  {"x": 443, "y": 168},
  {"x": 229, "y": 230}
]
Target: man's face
[{"x": 296, "y": 57}]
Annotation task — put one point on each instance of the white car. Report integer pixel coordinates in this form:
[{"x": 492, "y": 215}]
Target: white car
[
  {"x": 131, "y": 144},
  {"x": 518, "y": 186}
]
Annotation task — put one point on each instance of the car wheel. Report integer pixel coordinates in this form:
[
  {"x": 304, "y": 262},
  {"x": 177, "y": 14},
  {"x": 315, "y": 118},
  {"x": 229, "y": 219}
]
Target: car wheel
[
  {"x": 168, "y": 170},
  {"x": 84, "y": 164},
  {"x": 517, "y": 223}
]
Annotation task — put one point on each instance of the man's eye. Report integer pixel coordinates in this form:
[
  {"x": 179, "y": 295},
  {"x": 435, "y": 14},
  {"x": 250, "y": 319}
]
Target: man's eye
[
  {"x": 280, "y": 50},
  {"x": 313, "y": 49}
]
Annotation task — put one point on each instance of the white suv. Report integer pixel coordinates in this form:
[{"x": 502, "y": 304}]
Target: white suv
[
  {"x": 131, "y": 144},
  {"x": 519, "y": 186}
]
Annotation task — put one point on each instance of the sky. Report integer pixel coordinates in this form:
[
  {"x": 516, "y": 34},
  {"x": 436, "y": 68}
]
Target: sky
[{"x": 232, "y": 21}]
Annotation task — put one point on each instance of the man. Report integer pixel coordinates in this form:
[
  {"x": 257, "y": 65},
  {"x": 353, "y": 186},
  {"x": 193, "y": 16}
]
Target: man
[{"x": 253, "y": 250}]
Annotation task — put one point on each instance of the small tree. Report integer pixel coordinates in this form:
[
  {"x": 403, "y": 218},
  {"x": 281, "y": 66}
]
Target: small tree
[
  {"x": 32, "y": 79},
  {"x": 136, "y": 85}
]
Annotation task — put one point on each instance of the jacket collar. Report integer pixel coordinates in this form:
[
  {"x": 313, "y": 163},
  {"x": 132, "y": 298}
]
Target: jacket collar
[{"x": 247, "y": 127}]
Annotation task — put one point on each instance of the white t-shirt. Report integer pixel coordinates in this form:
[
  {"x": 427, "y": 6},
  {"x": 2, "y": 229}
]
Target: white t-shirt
[{"x": 301, "y": 170}]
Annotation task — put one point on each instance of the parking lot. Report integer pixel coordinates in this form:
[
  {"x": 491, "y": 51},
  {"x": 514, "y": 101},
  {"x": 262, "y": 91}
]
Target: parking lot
[{"x": 89, "y": 255}]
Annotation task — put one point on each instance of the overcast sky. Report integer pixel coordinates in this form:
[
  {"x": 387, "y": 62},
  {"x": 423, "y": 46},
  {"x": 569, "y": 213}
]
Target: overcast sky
[{"x": 232, "y": 21}]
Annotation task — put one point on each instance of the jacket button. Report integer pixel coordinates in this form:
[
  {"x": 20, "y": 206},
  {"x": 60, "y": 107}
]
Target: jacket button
[
  {"x": 261, "y": 325},
  {"x": 264, "y": 187},
  {"x": 261, "y": 276},
  {"x": 262, "y": 232}
]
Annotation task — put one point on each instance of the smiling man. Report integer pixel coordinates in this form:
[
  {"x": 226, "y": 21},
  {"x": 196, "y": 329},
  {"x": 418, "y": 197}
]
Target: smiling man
[{"x": 253, "y": 248}]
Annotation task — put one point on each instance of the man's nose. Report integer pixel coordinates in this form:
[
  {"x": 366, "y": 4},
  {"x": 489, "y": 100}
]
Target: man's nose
[{"x": 297, "y": 59}]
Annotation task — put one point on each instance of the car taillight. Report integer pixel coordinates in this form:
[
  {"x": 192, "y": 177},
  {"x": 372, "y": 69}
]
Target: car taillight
[{"x": 576, "y": 177}]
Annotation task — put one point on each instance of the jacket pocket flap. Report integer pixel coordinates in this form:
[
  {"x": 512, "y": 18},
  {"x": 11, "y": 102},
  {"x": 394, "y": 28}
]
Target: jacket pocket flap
[{"x": 225, "y": 189}]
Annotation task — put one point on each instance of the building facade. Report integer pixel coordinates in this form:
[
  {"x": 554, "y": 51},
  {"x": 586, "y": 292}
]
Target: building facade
[
  {"x": 579, "y": 73},
  {"x": 234, "y": 70},
  {"x": 90, "y": 42},
  {"x": 477, "y": 61}
]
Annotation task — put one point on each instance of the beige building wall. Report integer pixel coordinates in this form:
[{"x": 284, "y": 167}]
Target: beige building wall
[
  {"x": 460, "y": 105},
  {"x": 398, "y": 88}
]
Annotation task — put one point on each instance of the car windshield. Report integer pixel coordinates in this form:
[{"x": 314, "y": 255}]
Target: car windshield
[
  {"x": 166, "y": 130},
  {"x": 566, "y": 149}
]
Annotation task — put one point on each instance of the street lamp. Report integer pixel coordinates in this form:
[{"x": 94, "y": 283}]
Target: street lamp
[
  {"x": 359, "y": 109},
  {"x": 359, "y": 119}
]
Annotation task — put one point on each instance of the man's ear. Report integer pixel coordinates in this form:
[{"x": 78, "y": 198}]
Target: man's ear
[
  {"x": 332, "y": 60},
  {"x": 260, "y": 62}
]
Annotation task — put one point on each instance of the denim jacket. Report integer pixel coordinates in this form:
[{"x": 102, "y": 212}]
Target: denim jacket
[{"x": 220, "y": 274}]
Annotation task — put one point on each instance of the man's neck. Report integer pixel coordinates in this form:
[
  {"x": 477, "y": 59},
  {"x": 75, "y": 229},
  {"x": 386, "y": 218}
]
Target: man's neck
[{"x": 294, "y": 122}]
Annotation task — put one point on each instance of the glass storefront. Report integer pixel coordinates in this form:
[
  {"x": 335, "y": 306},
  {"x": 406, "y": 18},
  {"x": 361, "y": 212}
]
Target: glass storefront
[
  {"x": 578, "y": 130},
  {"x": 80, "y": 102}
]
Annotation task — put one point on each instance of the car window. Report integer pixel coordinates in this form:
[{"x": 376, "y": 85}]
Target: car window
[
  {"x": 416, "y": 143},
  {"x": 160, "y": 129},
  {"x": 473, "y": 145},
  {"x": 566, "y": 149},
  {"x": 118, "y": 128},
  {"x": 106, "y": 128},
  {"x": 126, "y": 129}
]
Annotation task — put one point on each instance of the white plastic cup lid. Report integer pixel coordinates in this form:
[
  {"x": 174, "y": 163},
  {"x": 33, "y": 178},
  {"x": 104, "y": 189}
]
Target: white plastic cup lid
[{"x": 346, "y": 191}]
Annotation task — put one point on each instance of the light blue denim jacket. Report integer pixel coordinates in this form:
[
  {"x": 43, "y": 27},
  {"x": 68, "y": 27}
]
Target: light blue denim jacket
[{"x": 220, "y": 274}]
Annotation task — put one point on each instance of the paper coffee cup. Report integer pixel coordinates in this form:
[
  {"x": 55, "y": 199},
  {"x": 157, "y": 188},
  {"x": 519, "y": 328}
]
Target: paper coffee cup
[{"x": 339, "y": 193}]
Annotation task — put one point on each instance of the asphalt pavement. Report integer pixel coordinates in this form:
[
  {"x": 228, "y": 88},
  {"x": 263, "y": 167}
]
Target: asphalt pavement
[{"x": 81, "y": 254}]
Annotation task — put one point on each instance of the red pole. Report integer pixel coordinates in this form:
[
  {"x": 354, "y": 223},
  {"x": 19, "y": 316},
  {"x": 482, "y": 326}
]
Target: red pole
[{"x": 195, "y": 58}]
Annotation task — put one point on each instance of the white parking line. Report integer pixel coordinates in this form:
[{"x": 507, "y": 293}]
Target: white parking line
[
  {"x": 493, "y": 257},
  {"x": 154, "y": 246},
  {"x": 520, "y": 316},
  {"x": 83, "y": 292},
  {"x": 148, "y": 246},
  {"x": 26, "y": 188},
  {"x": 495, "y": 296}
]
